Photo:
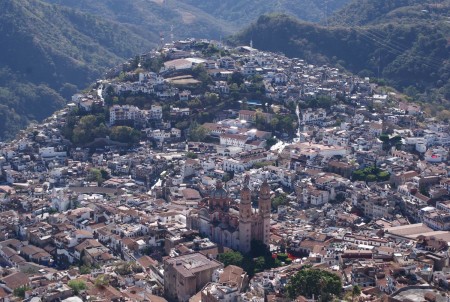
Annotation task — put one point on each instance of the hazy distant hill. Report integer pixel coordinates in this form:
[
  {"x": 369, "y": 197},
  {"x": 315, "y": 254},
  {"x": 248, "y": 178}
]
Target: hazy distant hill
[
  {"x": 48, "y": 51},
  {"x": 411, "y": 53}
]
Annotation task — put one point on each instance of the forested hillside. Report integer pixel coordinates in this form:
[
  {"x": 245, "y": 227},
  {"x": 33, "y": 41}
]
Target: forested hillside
[
  {"x": 245, "y": 11},
  {"x": 199, "y": 18},
  {"x": 365, "y": 12},
  {"x": 152, "y": 17},
  {"x": 22, "y": 102},
  {"x": 48, "y": 52}
]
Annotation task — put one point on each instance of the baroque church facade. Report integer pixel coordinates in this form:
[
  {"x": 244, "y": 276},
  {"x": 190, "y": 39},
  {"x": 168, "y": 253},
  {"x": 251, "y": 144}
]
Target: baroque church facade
[{"x": 234, "y": 225}]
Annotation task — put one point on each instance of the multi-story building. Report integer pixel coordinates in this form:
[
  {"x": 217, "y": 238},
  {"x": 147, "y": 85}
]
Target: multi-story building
[
  {"x": 249, "y": 115},
  {"x": 123, "y": 113},
  {"x": 311, "y": 116},
  {"x": 185, "y": 275},
  {"x": 156, "y": 112}
]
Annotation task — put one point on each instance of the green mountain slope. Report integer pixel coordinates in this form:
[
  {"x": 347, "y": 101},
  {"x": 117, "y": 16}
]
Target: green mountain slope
[
  {"x": 411, "y": 55},
  {"x": 55, "y": 45},
  {"x": 51, "y": 51},
  {"x": 365, "y": 12},
  {"x": 22, "y": 102},
  {"x": 245, "y": 11},
  {"x": 199, "y": 18},
  {"x": 152, "y": 17}
]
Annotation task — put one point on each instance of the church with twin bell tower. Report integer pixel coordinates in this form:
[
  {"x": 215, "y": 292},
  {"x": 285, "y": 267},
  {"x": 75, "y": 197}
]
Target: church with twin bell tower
[{"x": 231, "y": 224}]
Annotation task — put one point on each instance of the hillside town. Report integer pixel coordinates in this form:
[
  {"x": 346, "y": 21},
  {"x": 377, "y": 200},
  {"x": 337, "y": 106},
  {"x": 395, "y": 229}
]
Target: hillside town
[{"x": 202, "y": 172}]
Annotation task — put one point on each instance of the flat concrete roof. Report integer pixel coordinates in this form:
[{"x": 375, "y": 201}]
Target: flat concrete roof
[
  {"x": 418, "y": 295},
  {"x": 410, "y": 230}
]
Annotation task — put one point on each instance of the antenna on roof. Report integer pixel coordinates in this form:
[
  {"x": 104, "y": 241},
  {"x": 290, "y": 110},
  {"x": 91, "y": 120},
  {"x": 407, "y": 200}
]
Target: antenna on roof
[{"x": 171, "y": 34}]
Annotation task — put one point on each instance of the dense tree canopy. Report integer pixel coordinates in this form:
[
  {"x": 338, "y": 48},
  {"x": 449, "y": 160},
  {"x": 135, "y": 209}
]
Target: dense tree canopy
[
  {"x": 198, "y": 133},
  {"x": 77, "y": 286},
  {"x": 231, "y": 258},
  {"x": 308, "y": 282},
  {"x": 125, "y": 134}
]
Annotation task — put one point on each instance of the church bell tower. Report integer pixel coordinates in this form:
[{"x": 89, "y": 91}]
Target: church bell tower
[
  {"x": 245, "y": 218},
  {"x": 264, "y": 206}
]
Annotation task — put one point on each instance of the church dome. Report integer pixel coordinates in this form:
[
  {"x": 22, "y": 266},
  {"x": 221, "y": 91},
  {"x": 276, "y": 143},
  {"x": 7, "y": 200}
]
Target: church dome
[{"x": 219, "y": 192}]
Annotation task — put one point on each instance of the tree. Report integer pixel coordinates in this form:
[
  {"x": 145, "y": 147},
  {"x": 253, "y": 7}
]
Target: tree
[
  {"x": 279, "y": 200},
  {"x": 82, "y": 133},
  {"x": 127, "y": 268},
  {"x": 95, "y": 175},
  {"x": 260, "y": 264},
  {"x": 198, "y": 133},
  {"x": 211, "y": 98},
  {"x": 259, "y": 249},
  {"x": 182, "y": 125},
  {"x": 309, "y": 282},
  {"x": 424, "y": 191},
  {"x": 234, "y": 91},
  {"x": 87, "y": 129},
  {"x": 125, "y": 134},
  {"x": 102, "y": 280},
  {"x": 324, "y": 102},
  {"x": 195, "y": 103},
  {"x": 20, "y": 291},
  {"x": 67, "y": 90},
  {"x": 77, "y": 286},
  {"x": 356, "y": 291},
  {"x": 274, "y": 123},
  {"x": 270, "y": 142},
  {"x": 262, "y": 164},
  {"x": 384, "y": 138},
  {"x": 84, "y": 270},
  {"x": 231, "y": 258},
  {"x": 191, "y": 155},
  {"x": 154, "y": 64},
  {"x": 201, "y": 73},
  {"x": 105, "y": 174},
  {"x": 282, "y": 256},
  {"x": 383, "y": 176},
  {"x": 236, "y": 78},
  {"x": 371, "y": 178}
]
